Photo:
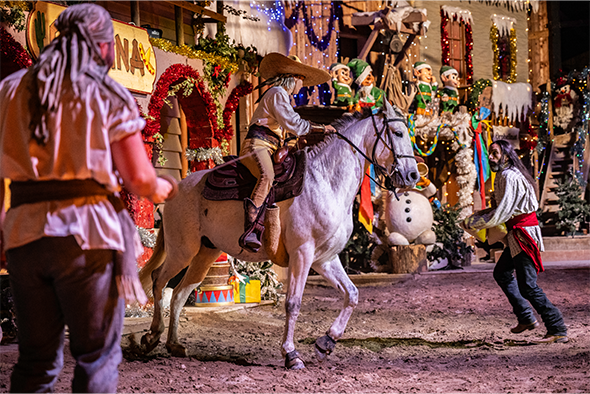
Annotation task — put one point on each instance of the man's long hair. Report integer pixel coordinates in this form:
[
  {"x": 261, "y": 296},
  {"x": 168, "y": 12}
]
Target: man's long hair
[{"x": 514, "y": 161}]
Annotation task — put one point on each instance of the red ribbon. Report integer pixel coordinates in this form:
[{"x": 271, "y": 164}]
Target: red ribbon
[{"x": 524, "y": 239}]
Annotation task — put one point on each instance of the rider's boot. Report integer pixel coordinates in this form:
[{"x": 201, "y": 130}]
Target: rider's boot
[{"x": 250, "y": 239}]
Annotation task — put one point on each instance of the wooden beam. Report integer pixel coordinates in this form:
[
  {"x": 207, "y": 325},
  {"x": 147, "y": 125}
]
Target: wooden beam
[
  {"x": 135, "y": 13},
  {"x": 199, "y": 10},
  {"x": 371, "y": 40},
  {"x": 179, "y": 26},
  {"x": 407, "y": 44}
]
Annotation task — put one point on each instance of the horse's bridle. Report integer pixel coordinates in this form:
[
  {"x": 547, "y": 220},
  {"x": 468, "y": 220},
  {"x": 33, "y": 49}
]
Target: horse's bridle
[{"x": 388, "y": 182}]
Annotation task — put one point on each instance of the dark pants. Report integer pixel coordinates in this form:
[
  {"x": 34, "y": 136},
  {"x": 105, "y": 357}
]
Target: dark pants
[
  {"x": 523, "y": 292},
  {"x": 55, "y": 283}
]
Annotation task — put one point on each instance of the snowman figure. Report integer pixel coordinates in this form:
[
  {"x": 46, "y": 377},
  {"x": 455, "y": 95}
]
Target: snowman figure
[{"x": 409, "y": 219}]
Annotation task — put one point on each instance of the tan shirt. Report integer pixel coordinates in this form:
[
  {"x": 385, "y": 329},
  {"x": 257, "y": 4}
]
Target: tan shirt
[
  {"x": 81, "y": 132},
  {"x": 276, "y": 112},
  {"x": 515, "y": 196}
]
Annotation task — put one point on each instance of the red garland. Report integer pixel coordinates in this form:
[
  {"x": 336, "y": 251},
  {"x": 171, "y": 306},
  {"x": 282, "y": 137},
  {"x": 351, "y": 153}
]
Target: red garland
[
  {"x": 446, "y": 48},
  {"x": 230, "y": 107},
  {"x": 12, "y": 49},
  {"x": 174, "y": 74}
]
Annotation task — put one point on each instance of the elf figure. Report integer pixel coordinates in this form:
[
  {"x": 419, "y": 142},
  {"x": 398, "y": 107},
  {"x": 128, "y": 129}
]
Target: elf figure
[
  {"x": 367, "y": 95},
  {"x": 426, "y": 87},
  {"x": 449, "y": 95},
  {"x": 341, "y": 82}
]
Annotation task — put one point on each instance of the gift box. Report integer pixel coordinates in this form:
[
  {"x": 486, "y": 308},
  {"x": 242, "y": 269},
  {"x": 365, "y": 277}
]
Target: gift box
[{"x": 247, "y": 291}]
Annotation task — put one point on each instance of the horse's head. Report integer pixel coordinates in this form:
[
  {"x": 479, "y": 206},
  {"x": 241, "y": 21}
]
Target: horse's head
[{"x": 392, "y": 150}]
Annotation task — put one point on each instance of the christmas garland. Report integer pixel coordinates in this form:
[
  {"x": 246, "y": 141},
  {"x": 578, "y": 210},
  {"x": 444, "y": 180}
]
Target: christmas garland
[
  {"x": 446, "y": 48},
  {"x": 230, "y": 107},
  {"x": 314, "y": 40},
  {"x": 191, "y": 53},
  {"x": 183, "y": 79},
  {"x": 172, "y": 76},
  {"x": 13, "y": 50},
  {"x": 494, "y": 37}
]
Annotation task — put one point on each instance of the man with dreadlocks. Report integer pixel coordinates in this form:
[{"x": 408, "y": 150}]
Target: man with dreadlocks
[
  {"x": 272, "y": 120},
  {"x": 516, "y": 194},
  {"x": 70, "y": 245}
]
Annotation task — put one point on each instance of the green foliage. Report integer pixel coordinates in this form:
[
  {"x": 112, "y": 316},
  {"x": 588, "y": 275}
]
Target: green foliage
[
  {"x": 356, "y": 256},
  {"x": 448, "y": 232},
  {"x": 572, "y": 208},
  {"x": 476, "y": 90},
  {"x": 12, "y": 13},
  {"x": 269, "y": 284}
]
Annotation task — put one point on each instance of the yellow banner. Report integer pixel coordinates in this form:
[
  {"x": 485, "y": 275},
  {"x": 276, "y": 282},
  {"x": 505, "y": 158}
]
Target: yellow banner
[{"x": 135, "y": 62}]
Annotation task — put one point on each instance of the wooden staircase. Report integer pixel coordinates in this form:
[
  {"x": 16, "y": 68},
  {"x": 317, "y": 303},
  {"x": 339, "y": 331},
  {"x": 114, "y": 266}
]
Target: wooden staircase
[{"x": 559, "y": 167}]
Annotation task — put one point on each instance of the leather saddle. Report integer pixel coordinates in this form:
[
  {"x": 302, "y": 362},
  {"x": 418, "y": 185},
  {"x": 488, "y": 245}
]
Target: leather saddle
[{"x": 233, "y": 181}]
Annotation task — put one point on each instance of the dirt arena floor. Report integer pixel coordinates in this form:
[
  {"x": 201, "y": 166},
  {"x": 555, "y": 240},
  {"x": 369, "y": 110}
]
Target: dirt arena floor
[{"x": 427, "y": 333}]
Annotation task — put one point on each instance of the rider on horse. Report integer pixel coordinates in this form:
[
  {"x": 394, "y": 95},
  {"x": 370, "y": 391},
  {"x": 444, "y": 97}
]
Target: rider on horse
[{"x": 272, "y": 120}]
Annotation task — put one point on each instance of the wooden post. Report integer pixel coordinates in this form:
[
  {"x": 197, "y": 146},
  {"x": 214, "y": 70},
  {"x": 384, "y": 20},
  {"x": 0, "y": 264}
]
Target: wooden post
[
  {"x": 135, "y": 13},
  {"x": 407, "y": 44},
  {"x": 408, "y": 259},
  {"x": 179, "y": 26}
]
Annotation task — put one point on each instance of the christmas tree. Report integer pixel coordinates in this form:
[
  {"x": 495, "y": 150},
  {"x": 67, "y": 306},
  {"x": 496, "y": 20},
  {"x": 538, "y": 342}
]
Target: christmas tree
[
  {"x": 448, "y": 232},
  {"x": 572, "y": 208}
]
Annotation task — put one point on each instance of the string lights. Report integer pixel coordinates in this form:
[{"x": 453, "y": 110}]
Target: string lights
[
  {"x": 452, "y": 14},
  {"x": 505, "y": 53}
]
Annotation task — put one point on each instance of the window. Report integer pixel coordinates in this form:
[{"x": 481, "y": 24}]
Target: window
[
  {"x": 503, "y": 37},
  {"x": 457, "y": 41}
]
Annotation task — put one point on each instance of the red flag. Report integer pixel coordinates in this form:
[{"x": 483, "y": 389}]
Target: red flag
[{"x": 366, "y": 205}]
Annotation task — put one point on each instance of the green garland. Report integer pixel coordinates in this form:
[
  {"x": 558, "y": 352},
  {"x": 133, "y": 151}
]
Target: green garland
[
  {"x": 13, "y": 13},
  {"x": 475, "y": 92}
]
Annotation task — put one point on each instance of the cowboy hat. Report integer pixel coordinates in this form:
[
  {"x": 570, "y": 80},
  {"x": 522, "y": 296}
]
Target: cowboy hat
[{"x": 275, "y": 64}]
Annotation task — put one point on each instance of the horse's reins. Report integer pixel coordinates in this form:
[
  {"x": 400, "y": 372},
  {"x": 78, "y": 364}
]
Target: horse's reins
[{"x": 388, "y": 183}]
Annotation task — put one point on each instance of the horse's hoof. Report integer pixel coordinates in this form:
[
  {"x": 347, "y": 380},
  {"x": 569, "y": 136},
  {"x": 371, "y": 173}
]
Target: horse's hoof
[
  {"x": 293, "y": 362},
  {"x": 324, "y": 347},
  {"x": 176, "y": 350},
  {"x": 320, "y": 356},
  {"x": 149, "y": 345}
]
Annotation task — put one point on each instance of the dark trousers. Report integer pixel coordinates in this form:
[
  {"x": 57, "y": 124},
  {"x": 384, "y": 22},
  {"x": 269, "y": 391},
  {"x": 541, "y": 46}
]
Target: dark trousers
[
  {"x": 55, "y": 283},
  {"x": 523, "y": 291}
]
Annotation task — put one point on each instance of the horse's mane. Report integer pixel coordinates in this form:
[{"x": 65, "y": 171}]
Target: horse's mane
[{"x": 340, "y": 124}]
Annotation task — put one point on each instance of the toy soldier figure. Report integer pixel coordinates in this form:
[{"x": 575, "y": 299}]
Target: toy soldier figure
[
  {"x": 341, "y": 82},
  {"x": 449, "y": 95},
  {"x": 426, "y": 87},
  {"x": 367, "y": 95}
]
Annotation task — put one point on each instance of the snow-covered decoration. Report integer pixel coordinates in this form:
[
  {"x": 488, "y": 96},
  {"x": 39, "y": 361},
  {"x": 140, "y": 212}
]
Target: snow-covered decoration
[
  {"x": 271, "y": 26},
  {"x": 516, "y": 5},
  {"x": 516, "y": 99},
  {"x": 456, "y": 128},
  {"x": 456, "y": 12},
  {"x": 504, "y": 24},
  {"x": 393, "y": 19},
  {"x": 466, "y": 175}
]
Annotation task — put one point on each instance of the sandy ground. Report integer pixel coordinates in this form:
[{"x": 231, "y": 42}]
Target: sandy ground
[{"x": 427, "y": 333}]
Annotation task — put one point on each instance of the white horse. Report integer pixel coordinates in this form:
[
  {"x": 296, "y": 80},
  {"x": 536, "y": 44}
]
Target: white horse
[{"x": 315, "y": 226}]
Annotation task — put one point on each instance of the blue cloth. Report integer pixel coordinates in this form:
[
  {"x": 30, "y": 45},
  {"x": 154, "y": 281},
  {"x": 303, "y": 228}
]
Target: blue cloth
[
  {"x": 523, "y": 291},
  {"x": 54, "y": 283}
]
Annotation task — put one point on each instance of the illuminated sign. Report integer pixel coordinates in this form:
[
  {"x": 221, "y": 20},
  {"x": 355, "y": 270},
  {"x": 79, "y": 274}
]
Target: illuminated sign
[{"x": 135, "y": 62}]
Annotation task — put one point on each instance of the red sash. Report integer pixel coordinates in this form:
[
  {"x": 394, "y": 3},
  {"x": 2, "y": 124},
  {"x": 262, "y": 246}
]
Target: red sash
[{"x": 525, "y": 241}]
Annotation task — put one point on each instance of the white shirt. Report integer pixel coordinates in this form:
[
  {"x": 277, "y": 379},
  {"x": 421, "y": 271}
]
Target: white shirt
[
  {"x": 79, "y": 147},
  {"x": 276, "y": 113},
  {"x": 515, "y": 196}
]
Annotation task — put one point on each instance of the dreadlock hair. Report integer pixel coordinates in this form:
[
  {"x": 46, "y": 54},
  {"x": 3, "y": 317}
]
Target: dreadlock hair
[
  {"x": 286, "y": 81},
  {"x": 514, "y": 161}
]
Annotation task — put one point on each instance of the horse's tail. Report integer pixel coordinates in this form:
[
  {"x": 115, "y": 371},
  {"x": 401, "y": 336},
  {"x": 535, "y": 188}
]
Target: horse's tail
[{"x": 157, "y": 259}]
